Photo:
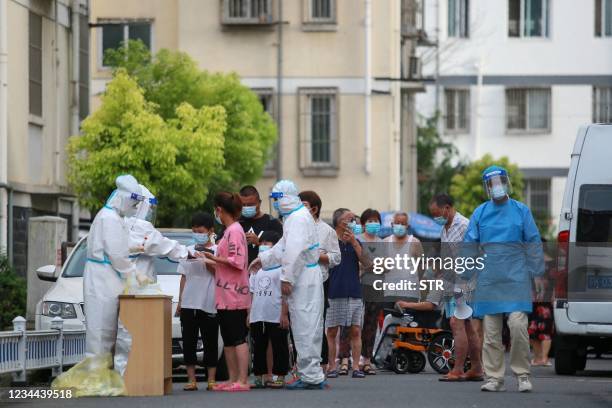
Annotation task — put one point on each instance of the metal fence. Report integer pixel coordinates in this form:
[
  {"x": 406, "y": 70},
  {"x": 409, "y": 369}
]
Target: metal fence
[{"x": 22, "y": 350}]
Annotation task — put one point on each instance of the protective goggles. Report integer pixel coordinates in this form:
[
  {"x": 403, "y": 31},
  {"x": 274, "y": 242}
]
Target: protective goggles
[
  {"x": 137, "y": 197},
  {"x": 276, "y": 195},
  {"x": 153, "y": 201}
]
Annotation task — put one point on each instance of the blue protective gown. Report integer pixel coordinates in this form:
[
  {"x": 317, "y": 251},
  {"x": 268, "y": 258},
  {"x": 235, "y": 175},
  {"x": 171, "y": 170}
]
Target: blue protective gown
[{"x": 508, "y": 239}]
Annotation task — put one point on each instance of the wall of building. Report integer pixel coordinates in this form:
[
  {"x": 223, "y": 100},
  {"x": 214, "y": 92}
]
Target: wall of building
[{"x": 569, "y": 62}]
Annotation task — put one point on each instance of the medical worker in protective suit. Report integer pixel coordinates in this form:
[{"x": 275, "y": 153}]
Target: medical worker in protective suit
[
  {"x": 301, "y": 282},
  {"x": 507, "y": 237},
  {"x": 146, "y": 242},
  {"x": 107, "y": 270}
]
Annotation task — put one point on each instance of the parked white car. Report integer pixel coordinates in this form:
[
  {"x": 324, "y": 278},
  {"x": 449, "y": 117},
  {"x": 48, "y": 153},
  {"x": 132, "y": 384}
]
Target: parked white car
[
  {"x": 65, "y": 297},
  {"x": 583, "y": 300}
]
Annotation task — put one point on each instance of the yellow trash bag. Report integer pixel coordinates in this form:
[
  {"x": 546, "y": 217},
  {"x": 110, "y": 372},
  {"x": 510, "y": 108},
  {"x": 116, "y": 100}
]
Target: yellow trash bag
[{"x": 92, "y": 377}]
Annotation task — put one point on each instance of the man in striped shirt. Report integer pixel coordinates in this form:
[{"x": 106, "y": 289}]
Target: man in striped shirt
[{"x": 465, "y": 331}]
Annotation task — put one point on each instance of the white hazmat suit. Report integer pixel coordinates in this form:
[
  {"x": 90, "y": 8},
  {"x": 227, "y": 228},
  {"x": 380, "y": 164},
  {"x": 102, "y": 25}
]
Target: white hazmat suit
[
  {"x": 298, "y": 253},
  {"x": 143, "y": 234},
  {"x": 108, "y": 266}
]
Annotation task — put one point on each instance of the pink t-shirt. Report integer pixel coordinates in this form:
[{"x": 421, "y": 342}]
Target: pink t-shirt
[{"x": 232, "y": 289}]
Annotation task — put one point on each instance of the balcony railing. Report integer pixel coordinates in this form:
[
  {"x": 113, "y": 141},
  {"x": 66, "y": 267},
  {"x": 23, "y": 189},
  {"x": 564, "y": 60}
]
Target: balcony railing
[{"x": 247, "y": 12}]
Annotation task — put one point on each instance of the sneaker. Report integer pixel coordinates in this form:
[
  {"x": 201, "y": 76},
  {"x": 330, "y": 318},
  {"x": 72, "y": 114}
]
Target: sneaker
[
  {"x": 301, "y": 385},
  {"x": 493, "y": 386},
  {"x": 524, "y": 383}
]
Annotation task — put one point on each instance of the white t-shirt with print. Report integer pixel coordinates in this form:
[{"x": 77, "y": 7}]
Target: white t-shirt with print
[
  {"x": 265, "y": 286},
  {"x": 199, "y": 289}
]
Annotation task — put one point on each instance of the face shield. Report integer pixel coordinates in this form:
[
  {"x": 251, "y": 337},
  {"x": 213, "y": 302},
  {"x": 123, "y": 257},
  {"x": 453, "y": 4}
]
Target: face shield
[
  {"x": 151, "y": 214},
  {"x": 496, "y": 183}
]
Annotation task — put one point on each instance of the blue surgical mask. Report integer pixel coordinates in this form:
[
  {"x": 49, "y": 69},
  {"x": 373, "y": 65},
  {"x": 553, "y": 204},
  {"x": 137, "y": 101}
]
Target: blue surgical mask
[
  {"x": 498, "y": 192},
  {"x": 249, "y": 211},
  {"x": 264, "y": 248},
  {"x": 218, "y": 219},
  {"x": 372, "y": 228},
  {"x": 440, "y": 220},
  {"x": 276, "y": 205},
  {"x": 357, "y": 229},
  {"x": 399, "y": 230},
  {"x": 199, "y": 238}
]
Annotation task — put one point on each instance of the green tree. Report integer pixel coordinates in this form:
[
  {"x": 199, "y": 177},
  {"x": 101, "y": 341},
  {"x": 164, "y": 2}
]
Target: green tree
[
  {"x": 170, "y": 78},
  {"x": 12, "y": 294},
  {"x": 467, "y": 187},
  {"x": 176, "y": 158},
  {"x": 437, "y": 162}
]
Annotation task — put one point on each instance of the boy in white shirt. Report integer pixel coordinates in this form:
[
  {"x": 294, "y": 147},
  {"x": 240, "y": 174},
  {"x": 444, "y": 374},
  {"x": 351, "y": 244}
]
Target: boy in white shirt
[
  {"x": 269, "y": 321},
  {"x": 196, "y": 306}
]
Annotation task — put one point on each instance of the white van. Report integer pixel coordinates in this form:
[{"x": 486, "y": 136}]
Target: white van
[
  {"x": 65, "y": 297},
  {"x": 583, "y": 297}
]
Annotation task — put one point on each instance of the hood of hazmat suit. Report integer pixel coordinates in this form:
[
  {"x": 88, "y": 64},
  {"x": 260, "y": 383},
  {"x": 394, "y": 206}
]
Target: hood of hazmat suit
[{"x": 298, "y": 254}]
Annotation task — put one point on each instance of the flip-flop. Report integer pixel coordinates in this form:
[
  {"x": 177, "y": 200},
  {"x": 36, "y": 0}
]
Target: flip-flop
[
  {"x": 369, "y": 370},
  {"x": 332, "y": 374},
  {"x": 221, "y": 386},
  {"x": 473, "y": 377},
  {"x": 237, "y": 387},
  {"x": 275, "y": 385}
]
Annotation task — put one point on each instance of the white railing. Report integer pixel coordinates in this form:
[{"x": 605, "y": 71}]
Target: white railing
[
  {"x": 22, "y": 350},
  {"x": 247, "y": 12}
]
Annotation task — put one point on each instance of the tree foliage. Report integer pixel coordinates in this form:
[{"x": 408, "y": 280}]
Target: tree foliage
[
  {"x": 171, "y": 78},
  {"x": 177, "y": 158},
  {"x": 467, "y": 187},
  {"x": 437, "y": 162}
]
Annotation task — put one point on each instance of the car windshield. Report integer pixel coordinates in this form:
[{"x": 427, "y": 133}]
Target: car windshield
[{"x": 163, "y": 266}]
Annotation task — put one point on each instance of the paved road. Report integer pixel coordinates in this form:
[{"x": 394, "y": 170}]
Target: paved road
[{"x": 593, "y": 388}]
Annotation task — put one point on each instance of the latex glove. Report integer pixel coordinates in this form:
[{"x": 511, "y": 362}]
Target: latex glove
[{"x": 142, "y": 279}]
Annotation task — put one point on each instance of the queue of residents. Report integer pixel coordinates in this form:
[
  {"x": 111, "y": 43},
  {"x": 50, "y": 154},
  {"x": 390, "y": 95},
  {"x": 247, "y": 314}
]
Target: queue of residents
[{"x": 298, "y": 290}]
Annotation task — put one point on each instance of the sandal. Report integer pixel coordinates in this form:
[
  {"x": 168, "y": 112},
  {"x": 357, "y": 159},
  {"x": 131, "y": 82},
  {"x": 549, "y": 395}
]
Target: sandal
[
  {"x": 259, "y": 383},
  {"x": 473, "y": 376},
  {"x": 211, "y": 386},
  {"x": 450, "y": 377},
  {"x": 332, "y": 374},
  {"x": 275, "y": 385},
  {"x": 221, "y": 387},
  {"x": 369, "y": 370},
  {"x": 237, "y": 387},
  {"x": 358, "y": 374},
  {"x": 191, "y": 386},
  {"x": 343, "y": 369}
]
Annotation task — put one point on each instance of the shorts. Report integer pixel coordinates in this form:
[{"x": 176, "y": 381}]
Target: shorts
[
  {"x": 233, "y": 325},
  {"x": 344, "y": 312}
]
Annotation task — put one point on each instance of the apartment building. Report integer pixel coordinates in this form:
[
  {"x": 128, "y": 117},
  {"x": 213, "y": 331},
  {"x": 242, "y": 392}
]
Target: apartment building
[
  {"x": 338, "y": 76},
  {"x": 517, "y": 78},
  {"x": 44, "y": 93}
]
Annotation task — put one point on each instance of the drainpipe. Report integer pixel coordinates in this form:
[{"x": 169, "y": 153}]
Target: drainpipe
[
  {"x": 4, "y": 188},
  {"x": 368, "y": 87},
  {"x": 279, "y": 93},
  {"x": 75, "y": 121},
  {"x": 479, "y": 68}
]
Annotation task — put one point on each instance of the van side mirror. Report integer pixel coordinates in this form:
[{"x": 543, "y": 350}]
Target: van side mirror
[{"x": 47, "y": 273}]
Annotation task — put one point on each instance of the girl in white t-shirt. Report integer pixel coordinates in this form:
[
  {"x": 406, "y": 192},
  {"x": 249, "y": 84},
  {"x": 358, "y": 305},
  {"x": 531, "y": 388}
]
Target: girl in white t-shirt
[
  {"x": 269, "y": 321},
  {"x": 196, "y": 306}
]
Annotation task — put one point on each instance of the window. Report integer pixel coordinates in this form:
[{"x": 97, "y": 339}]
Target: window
[
  {"x": 537, "y": 197},
  {"x": 457, "y": 118},
  {"x": 247, "y": 12},
  {"x": 322, "y": 10},
  {"x": 318, "y": 128},
  {"x": 83, "y": 66},
  {"x": 602, "y": 104},
  {"x": 35, "y": 65},
  {"x": 603, "y": 18},
  {"x": 458, "y": 18},
  {"x": 528, "y": 18},
  {"x": 114, "y": 35},
  {"x": 528, "y": 110}
]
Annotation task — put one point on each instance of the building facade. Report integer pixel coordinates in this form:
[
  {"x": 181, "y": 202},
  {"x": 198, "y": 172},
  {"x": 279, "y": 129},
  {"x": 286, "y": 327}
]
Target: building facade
[
  {"x": 338, "y": 76},
  {"x": 44, "y": 93},
  {"x": 517, "y": 78}
]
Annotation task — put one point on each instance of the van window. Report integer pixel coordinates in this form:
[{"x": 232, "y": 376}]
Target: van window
[{"x": 594, "y": 213}]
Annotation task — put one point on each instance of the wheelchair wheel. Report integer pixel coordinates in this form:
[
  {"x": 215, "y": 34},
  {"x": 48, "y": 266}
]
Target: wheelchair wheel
[
  {"x": 403, "y": 362},
  {"x": 441, "y": 353}
]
